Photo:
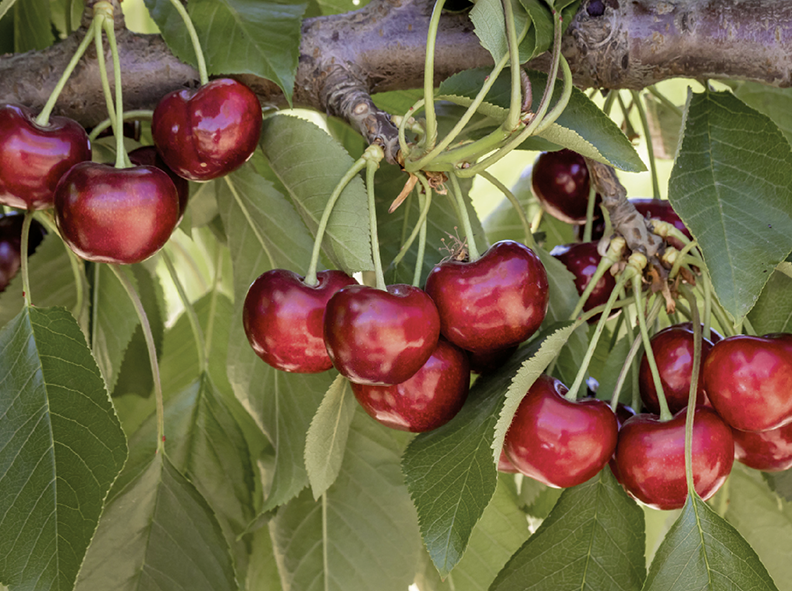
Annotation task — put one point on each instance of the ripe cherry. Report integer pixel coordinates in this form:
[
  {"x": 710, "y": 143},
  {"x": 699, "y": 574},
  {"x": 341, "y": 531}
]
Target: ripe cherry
[
  {"x": 33, "y": 158},
  {"x": 379, "y": 337},
  {"x": 560, "y": 181},
  {"x": 148, "y": 155},
  {"x": 650, "y": 457},
  {"x": 749, "y": 381},
  {"x": 283, "y": 318},
  {"x": 11, "y": 242},
  {"x": 769, "y": 451},
  {"x": 623, "y": 413},
  {"x": 557, "y": 441},
  {"x": 491, "y": 303},
  {"x": 206, "y": 134},
  {"x": 427, "y": 400},
  {"x": 116, "y": 215},
  {"x": 488, "y": 361},
  {"x": 582, "y": 261}
]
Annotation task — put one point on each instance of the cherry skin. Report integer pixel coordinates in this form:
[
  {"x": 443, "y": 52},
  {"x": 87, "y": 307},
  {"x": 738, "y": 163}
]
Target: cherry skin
[
  {"x": 488, "y": 361},
  {"x": 283, "y": 318},
  {"x": 623, "y": 413},
  {"x": 749, "y": 381},
  {"x": 673, "y": 351},
  {"x": 33, "y": 158},
  {"x": 148, "y": 155},
  {"x": 769, "y": 451},
  {"x": 11, "y": 242},
  {"x": 560, "y": 181},
  {"x": 651, "y": 457},
  {"x": 206, "y": 134},
  {"x": 505, "y": 465},
  {"x": 116, "y": 215},
  {"x": 557, "y": 441},
  {"x": 492, "y": 303},
  {"x": 582, "y": 261},
  {"x": 379, "y": 337},
  {"x": 427, "y": 400}
]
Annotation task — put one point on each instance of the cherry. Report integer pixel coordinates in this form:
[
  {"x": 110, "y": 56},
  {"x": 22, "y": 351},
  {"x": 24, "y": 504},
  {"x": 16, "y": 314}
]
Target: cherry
[
  {"x": 11, "y": 242},
  {"x": 770, "y": 451},
  {"x": 582, "y": 261},
  {"x": 427, "y": 400},
  {"x": 33, "y": 158},
  {"x": 505, "y": 464},
  {"x": 557, "y": 441},
  {"x": 116, "y": 215},
  {"x": 623, "y": 413},
  {"x": 749, "y": 381},
  {"x": 379, "y": 337},
  {"x": 205, "y": 134},
  {"x": 560, "y": 181},
  {"x": 283, "y": 318},
  {"x": 491, "y": 303},
  {"x": 148, "y": 155},
  {"x": 486, "y": 362},
  {"x": 673, "y": 351},
  {"x": 650, "y": 457}
]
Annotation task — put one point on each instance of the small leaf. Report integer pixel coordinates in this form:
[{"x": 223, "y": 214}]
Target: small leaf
[
  {"x": 490, "y": 26},
  {"x": 327, "y": 436},
  {"x": 592, "y": 540},
  {"x": 61, "y": 447},
  {"x": 732, "y": 186},
  {"x": 773, "y": 309},
  {"x": 706, "y": 553}
]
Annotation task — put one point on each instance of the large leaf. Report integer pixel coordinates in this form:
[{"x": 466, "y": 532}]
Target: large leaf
[
  {"x": 773, "y": 309},
  {"x": 32, "y": 29},
  {"x": 362, "y": 533},
  {"x": 732, "y": 186},
  {"x": 774, "y": 102},
  {"x": 61, "y": 447},
  {"x": 310, "y": 163},
  {"x": 706, "y": 553},
  {"x": 592, "y": 540},
  {"x": 780, "y": 482},
  {"x": 158, "y": 533}
]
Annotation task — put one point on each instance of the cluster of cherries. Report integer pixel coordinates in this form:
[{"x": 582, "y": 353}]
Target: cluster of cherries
[
  {"x": 124, "y": 215},
  {"x": 743, "y": 407}
]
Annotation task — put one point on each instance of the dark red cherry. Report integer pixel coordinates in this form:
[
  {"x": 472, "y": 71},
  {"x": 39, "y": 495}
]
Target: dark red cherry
[
  {"x": 560, "y": 181},
  {"x": 427, "y": 400},
  {"x": 486, "y": 362},
  {"x": 33, "y": 158},
  {"x": 379, "y": 337},
  {"x": 11, "y": 242},
  {"x": 206, "y": 134},
  {"x": 505, "y": 465},
  {"x": 749, "y": 381},
  {"x": 148, "y": 155},
  {"x": 769, "y": 451},
  {"x": 116, "y": 215},
  {"x": 582, "y": 261},
  {"x": 673, "y": 352},
  {"x": 623, "y": 413},
  {"x": 491, "y": 303},
  {"x": 557, "y": 441},
  {"x": 284, "y": 318},
  {"x": 650, "y": 457}
]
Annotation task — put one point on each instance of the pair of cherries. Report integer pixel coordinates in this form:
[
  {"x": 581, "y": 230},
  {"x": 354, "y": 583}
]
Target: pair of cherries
[{"x": 387, "y": 342}]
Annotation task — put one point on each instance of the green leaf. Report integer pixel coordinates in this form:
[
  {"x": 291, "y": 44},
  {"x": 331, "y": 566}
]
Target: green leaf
[
  {"x": 158, "y": 533},
  {"x": 327, "y": 436},
  {"x": 61, "y": 447},
  {"x": 763, "y": 519},
  {"x": 732, "y": 186},
  {"x": 32, "y": 28},
  {"x": 780, "y": 483},
  {"x": 706, "y": 552},
  {"x": 773, "y": 309},
  {"x": 263, "y": 573},
  {"x": 490, "y": 27},
  {"x": 774, "y": 102},
  {"x": 665, "y": 126},
  {"x": 362, "y": 534},
  {"x": 592, "y": 540},
  {"x": 310, "y": 163}
]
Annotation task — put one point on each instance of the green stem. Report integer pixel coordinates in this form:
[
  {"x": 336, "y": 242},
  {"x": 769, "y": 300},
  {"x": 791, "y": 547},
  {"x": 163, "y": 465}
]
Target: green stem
[
  {"x": 590, "y": 206},
  {"x": 663, "y": 99},
  {"x": 609, "y": 100},
  {"x": 529, "y": 239},
  {"x": 694, "y": 378},
  {"x": 200, "y": 342},
  {"x": 431, "y": 117},
  {"x": 199, "y": 56},
  {"x": 23, "y": 254},
  {"x": 649, "y": 146},
  {"x": 128, "y": 115},
  {"x": 152, "y": 352},
  {"x": 613, "y": 256},
  {"x": 121, "y": 155},
  {"x": 372, "y": 164},
  {"x": 43, "y": 117},
  {"x": 464, "y": 218},
  {"x": 403, "y": 124},
  {"x": 515, "y": 101},
  {"x": 213, "y": 302},
  {"x": 705, "y": 287},
  {"x": 425, "y": 203},
  {"x": 748, "y": 327},
  {"x": 424, "y": 200},
  {"x": 100, "y": 58}
]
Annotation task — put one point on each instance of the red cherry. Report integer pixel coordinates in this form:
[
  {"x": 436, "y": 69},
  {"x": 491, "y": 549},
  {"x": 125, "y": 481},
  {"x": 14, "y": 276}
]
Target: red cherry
[
  {"x": 770, "y": 451},
  {"x": 623, "y": 413},
  {"x": 650, "y": 457},
  {"x": 116, "y": 215},
  {"x": 582, "y": 261},
  {"x": 557, "y": 441},
  {"x": 33, "y": 158},
  {"x": 505, "y": 465},
  {"x": 488, "y": 361},
  {"x": 283, "y": 318},
  {"x": 379, "y": 337},
  {"x": 429, "y": 399},
  {"x": 492, "y": 303},
  {"x": 149, "y": 156},
  {"x": 673, "y": 351},
  {"x": 205, "y": 134},
  {"x": 560, "y": 181},
  {"x": 749, "y": 381},
  {"x": 11, "y": 242}
]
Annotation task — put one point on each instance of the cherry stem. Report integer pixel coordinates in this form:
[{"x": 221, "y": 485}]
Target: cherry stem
[
  {"x": 590, "y": 206},
  {"x": 373, "y": 156},
  {"x": 613, "y": 256},
  {"x": 152, "y": 352},
  {"x": 748, "y": 327},
  {"x": 464, "y": 218},
  {"x": 199, "y": 56},
  {"x": 649, "y": 146},
  {"x": 128, "y": 115},
  {"x": 663, "y": 99},
  {"x": 694, "y": 378},
  {"x": 23, "y": 260},
  {"x": 515, "y": 102},
  {"x": 428, "y": 86},
  {"x": 419, "y": 230},
  {"x": 100, "y": 17},
  {"x": 213, "y": 303},
  {"x": 121, "y": 155},
  {"x": 200, "y": 342},
  {"x": 607, "y": 106},
  {"x": 43, "y": 117},
  {"x": 529, "y": 239},
  {"x": 310, "y": 276}
]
